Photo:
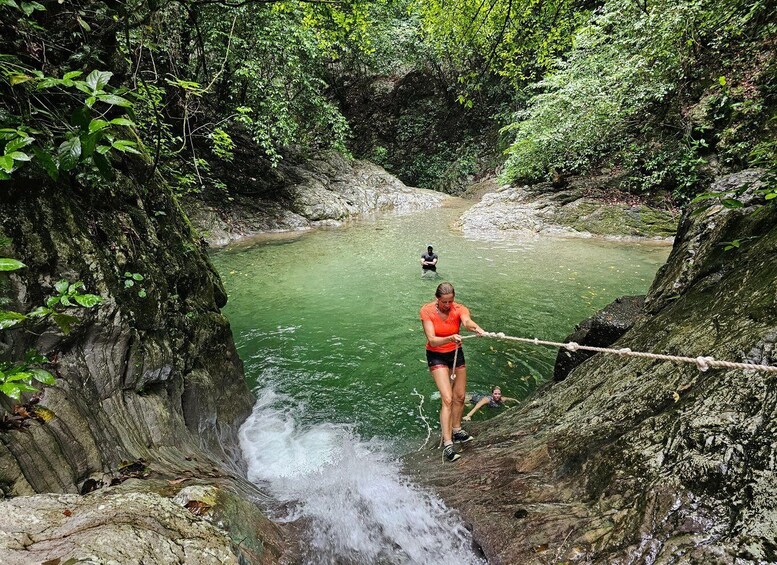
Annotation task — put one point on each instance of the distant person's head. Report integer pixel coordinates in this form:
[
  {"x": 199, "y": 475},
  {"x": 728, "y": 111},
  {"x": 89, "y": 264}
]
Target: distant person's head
[
  {"x": 429, "y": 248},
  {"x": 496, "y": 393}
]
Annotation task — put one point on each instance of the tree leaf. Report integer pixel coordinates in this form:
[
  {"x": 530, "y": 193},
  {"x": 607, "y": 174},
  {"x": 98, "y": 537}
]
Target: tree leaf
[
  {"x": 12, "y": 390},
  {"x": 137, "y": 276},
  {"x": 9, "y": 319},
  {"x": 10, "y": 264},
  {"x": 6, "y": 163},
  {"x": 98, "y": 79},
  {"x": 123, "y": 122},
  {"x": 19, "y": 156},
  {"x": 69, "y": 153},
  {"x": 125, "y": 146},
  {"x": 39, "y": 312},
  {"x": 114, "y": 100},
  {"x": 102, "y": 164},
  {"x": 731, "y": 203},
  {"x": 97, "y": 124},
  {"x": 42, "y": 376},
  {"x": 47, "y": 162},
  {"x": 61, "y": 286},
  {"x": 87, "y": 300},
  {"x": 88, "y": 143},
  {"x": 64, "y": 321},
  {"x": 71, "y": 75}
]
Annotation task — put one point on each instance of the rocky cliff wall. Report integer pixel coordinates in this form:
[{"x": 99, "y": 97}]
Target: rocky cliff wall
[
  {"x": 325, "y": 190},
  {"x": 148, "y": 384},
  {"x": 637, "y": 461}
]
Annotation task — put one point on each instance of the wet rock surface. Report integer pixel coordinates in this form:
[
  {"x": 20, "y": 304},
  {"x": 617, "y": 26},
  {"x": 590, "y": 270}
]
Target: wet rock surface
[
  {"x": 600, "y": 330},
  {"x": 580, "y": 208},
  {"x": 327, "y": 190},
  {"x": 148, "y": 383},
  {"x": 631, "y": 460}
]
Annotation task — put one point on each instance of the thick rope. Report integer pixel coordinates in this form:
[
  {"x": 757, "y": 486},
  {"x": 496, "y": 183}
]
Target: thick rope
[{"x": 703, "y": 363}]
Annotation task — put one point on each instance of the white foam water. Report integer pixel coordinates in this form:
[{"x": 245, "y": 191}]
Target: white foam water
[{"x": 356, "y": 505}]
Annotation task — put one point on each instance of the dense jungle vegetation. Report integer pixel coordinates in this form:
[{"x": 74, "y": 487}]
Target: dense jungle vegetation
[{"x": 665, "y": 94}]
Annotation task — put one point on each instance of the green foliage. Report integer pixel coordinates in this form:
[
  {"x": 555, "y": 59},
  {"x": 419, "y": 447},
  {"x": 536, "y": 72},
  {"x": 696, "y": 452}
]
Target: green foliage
[
  {"x": 616, "y": 95},
  {"x": 20, "y": 377},
  {"x": 59, "y": 142},
  {"x": 131, "y": 278}
]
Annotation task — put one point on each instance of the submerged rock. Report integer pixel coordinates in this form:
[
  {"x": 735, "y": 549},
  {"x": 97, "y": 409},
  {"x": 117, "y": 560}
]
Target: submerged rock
[{"x": 633, "y": 460}]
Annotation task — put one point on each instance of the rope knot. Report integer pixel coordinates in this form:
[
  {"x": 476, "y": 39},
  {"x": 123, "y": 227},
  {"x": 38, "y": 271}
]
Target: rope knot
[
  {"x": 624, "y": 351},
  {"x": 536, "y": 341},
  {"x": 500, "y": 334},
  {"x": 703, "y": 363},
  {"x": 572, "y": 346}
]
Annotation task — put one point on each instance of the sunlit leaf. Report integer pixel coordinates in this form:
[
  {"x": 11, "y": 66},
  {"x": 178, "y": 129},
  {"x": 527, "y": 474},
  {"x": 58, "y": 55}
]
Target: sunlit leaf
[
  {"x": 98, "y": 79},
  {"x": 42, "y": 376},
  {"x": 9, "y": 319},
  {"x": 10, "y": 264},
  {"x": 87, "y": 300}
]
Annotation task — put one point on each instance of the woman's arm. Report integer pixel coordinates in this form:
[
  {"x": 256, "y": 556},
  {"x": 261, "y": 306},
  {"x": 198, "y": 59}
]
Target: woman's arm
[
  {"x": 470, "y": 324},
  {"x": 482, "y": 402},
  {"x": 435, "y": 341}
]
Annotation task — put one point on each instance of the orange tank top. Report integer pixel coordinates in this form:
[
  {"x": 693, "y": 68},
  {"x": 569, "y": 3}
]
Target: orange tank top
[{"x": 444, "y": 327}]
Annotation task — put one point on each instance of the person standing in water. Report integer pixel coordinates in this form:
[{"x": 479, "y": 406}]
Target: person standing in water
[
  {"x": 429, "y": 260},
  {"x": 442, "y": 320}
]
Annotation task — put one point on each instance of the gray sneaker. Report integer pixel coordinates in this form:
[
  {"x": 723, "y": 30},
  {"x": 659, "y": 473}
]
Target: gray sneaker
[
  {"x": 449, "y": 454},
  {"x": 462, "y": 437}
]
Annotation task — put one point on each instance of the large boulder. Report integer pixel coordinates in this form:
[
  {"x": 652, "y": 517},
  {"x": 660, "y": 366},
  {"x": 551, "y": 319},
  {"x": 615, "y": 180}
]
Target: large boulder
[
  {"x": 634, "y": 460},
  {"x": 600, "y": 330}
]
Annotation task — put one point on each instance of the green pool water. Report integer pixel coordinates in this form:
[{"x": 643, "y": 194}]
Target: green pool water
[{"x": 330, "y": 318}]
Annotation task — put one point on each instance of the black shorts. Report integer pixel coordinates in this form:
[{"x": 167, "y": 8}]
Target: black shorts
[
  {"x": 436, "y": 359},
  {"x": 430, "y": 268}
]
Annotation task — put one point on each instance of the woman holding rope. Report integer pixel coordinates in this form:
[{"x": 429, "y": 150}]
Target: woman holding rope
[{"x": 442, "y": 320}]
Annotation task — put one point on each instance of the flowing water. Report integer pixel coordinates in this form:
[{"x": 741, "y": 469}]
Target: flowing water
[{"x": 327, "y": 325}]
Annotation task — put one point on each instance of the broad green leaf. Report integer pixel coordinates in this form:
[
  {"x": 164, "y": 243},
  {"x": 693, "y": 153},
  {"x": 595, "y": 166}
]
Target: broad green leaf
[
  {"x": 128, "y": 283},
  {"x": 137, "y": 276},
  {"x": 122, "y": 122},
  {"x": 10, "y": 264},
  {"x": 88, "y": 143},
  {"x": 65, "y": 301},
  {"x": 69, "y": 153},
  {"x": 52, "y": 301},
  {"x": 17, "y": 377},
  {"x": 81, "y": 117},
  {"x": 97, "y": 124},
  {"x": 39, "y": 312},
  {"x": 90, "y": 101},
  {"x": 125, "y": 146},
  {"x": 18, "y": 143},
  {"x": 9, "y": 319},
  {"x": 86, "y": 27},
  {"x": 19, "y": 156},
  {"x": 64, "y": 321},
  {"x": 98, "y": 79},
  {"x": 42, "y": 376},
  {"x": 61, "y": 286},
  {"x": 87, "y": 300},
  {"x": 771, "y": 195},
  {"x": 18, "y": 78},
  {"x": 12, "y": 390},
  {"x": 32, "y": 356},
  {"x": 731, "y": 203},
  {"x": 27, "y": 8},
  {"x": 83, "y": 87},
  {"x": 6, "y": 163},
  {"x": 71, "y": 75},
  {"x": 114, "y": 100},
  {"x": 47, "y": 162},
  {"x": 705, "y": 196},
  {"x": 142, "y": 293},
  {"x": 10, "y": 3},
  {"x": 102, "y": 164},
  {"x": 75, "y": 286}
]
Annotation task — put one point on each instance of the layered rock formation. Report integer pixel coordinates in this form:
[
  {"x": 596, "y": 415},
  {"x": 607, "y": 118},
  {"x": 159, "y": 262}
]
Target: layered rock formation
[
  {"x": 148, "y": 384},
  {"x": 632, "y": 460},
  {"x": 327, "y": 190}
]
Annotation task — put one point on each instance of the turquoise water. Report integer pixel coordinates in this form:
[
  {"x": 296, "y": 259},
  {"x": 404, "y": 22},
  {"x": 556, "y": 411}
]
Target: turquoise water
[{"x": 329, "y": 319}]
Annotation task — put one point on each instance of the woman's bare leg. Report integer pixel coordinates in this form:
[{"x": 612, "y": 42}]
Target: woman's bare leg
[
  {"x": 442, "y": 379},
  {"x": 459, "y": 394}
]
